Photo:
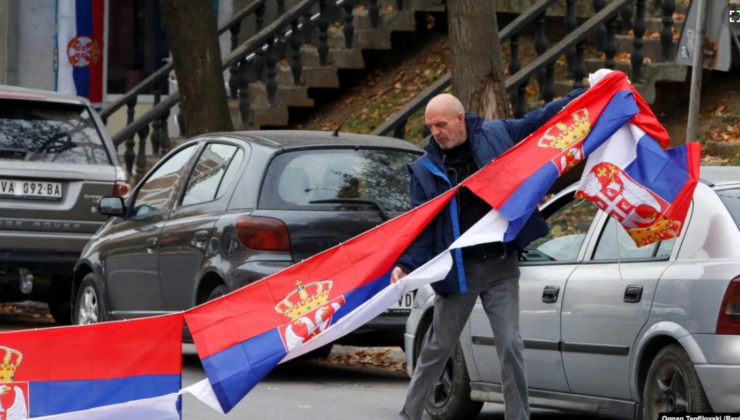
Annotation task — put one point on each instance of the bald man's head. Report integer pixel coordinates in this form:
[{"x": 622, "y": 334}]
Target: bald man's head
[{"x": 445, "y": 116}]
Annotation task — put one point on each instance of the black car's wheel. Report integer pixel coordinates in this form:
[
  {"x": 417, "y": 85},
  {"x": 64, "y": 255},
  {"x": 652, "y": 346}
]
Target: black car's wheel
[
  {"x": 89, "y": 307},
  {"x": 218, "y": 291},
  {"x": 672, "y": 385},
  {"x": 450, "y": 399}
]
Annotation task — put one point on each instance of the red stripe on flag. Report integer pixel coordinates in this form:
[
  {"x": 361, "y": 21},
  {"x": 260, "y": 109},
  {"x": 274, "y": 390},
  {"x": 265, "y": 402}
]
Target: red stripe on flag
[
  {"x": 680, "y": 205},
  {"x": 250, "y": 311},
  {"x": 646, "y": 120},
  {"x": 109, "y": 350},
  {"x": 96, "y": 67}
]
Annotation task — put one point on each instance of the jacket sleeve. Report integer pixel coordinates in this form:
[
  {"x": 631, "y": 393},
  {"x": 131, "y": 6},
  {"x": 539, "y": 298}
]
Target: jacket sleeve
[
  {"x": 521, "y": 128},
  {"x": 419, "y": 252}
]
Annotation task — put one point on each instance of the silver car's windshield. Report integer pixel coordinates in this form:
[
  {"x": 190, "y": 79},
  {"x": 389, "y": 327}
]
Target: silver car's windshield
[{"x": 36, "y": 131}]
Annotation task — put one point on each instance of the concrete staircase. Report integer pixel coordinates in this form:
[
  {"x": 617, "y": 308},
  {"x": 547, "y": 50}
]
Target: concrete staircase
[
  {"x": 316, "y": 76},
  {"x": 654, "y": 70}
]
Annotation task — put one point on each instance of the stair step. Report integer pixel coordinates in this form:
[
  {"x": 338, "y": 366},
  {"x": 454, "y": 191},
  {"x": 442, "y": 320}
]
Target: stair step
[
  {"x": 372, "y": 39},
  {"x": 664, "y": 71},
  {"x": 394, "y": 21},
  {"x": 286, "y": 95},
  {"x": 651, "y": 48},
  {"x": 656, "y": 25}
]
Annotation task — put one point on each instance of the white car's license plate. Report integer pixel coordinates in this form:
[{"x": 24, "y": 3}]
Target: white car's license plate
[
  {"x": 404, "y": 303},
  {"x": 39, "y": 190}
]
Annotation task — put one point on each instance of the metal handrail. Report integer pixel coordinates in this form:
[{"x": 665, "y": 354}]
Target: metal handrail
[
  {"x": 163, "y": 71},
  {"x": 237, "y": 54},
  {"x": 519, "y": 77}
]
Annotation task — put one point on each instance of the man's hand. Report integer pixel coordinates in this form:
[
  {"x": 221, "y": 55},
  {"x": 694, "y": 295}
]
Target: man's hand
[{"x": 397, "y": 274}]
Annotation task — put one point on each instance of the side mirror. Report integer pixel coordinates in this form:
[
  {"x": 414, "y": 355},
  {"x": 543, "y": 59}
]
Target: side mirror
[{"x": 111, "y": 206}]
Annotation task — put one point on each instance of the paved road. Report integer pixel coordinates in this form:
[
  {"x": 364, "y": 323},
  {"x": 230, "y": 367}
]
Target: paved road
[{"x": 310, "y": 390}]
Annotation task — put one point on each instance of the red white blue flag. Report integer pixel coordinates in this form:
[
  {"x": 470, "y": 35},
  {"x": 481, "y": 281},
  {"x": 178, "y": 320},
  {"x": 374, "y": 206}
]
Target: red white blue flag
[
  {"x": 61, "y": 370},
  {"x": 242, "y": 336},
  {"x": 80, "y": 48}
]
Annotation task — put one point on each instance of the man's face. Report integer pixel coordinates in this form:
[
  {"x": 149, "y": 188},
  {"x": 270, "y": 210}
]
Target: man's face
[{"x": 447, "y": 127}]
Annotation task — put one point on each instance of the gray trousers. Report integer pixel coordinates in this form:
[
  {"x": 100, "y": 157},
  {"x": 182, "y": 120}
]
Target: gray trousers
[{"x": 496, "y": 281}]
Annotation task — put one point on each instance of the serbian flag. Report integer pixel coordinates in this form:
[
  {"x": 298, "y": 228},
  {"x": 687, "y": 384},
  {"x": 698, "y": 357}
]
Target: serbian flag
[
  {"x": 61, "y": 370},
  {"x": 80, "y": 48},
  {"x": 240, "y": 337}
]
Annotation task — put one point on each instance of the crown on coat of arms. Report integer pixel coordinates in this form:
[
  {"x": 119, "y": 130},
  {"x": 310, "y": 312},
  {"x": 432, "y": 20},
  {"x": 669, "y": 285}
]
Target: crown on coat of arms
[
  {"x": 567, "y": 132},
  {"x": 305, "y": 299},
  {"x": 9, "y": 363}
]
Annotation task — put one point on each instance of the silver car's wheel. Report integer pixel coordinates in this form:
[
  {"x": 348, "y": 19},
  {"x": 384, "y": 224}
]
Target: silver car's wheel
[
  {"x": 89, "y": 308},
  {"x": 672, "y": 385}
]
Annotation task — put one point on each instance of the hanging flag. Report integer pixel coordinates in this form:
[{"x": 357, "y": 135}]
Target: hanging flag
[
  {"x": 59, "y": 370},
  {"x": 242, "y": 336},
  {"x": 80, "y": 48}
]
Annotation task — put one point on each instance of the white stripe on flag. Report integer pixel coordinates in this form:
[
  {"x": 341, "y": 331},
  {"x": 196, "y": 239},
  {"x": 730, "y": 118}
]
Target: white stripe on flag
[
  {"x": 159, "y": 408},
  {"x": 67, "y": 30}
]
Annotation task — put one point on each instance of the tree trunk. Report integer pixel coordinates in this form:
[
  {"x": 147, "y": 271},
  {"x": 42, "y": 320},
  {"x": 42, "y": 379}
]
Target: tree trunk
[
  {"x": 477, "y": 68},
  {"x": 192, "y": 38}
]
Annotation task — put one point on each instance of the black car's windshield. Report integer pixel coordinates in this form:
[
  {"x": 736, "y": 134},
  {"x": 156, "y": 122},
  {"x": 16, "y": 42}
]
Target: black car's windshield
[
  {"x": 36, "y": 131},
  {"x": 305, "y": 180}
]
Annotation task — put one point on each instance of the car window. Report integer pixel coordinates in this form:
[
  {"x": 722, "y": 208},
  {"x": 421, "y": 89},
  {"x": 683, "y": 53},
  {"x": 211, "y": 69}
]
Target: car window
[
  {"x": 568, "y": 227},
  {"x": 34, "y": 131},
  {"x": 301, "y": 180},
  {"x": 615, "y": 243},
  {"x": 731, "y": 200},
  {"x": 231, "y": 172},
  {"x": 208, "y": 173},
  {"x": 159, "y": 192}
]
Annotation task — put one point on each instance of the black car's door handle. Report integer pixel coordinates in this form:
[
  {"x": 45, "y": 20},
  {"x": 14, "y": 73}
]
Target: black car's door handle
[
  {"x": 633, "y": 293},
  {"x": 550, "y": 295},
  {"x": 151, "y": 242}
]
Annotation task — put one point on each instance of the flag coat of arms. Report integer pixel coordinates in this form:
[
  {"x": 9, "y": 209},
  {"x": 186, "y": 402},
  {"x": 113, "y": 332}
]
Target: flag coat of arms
[
  {"x": 80, "y": 48},
  {"x": 60, "y": 370}
]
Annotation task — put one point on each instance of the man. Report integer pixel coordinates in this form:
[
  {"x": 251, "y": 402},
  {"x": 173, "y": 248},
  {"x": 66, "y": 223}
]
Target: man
[{"x": 463, "y": 144}]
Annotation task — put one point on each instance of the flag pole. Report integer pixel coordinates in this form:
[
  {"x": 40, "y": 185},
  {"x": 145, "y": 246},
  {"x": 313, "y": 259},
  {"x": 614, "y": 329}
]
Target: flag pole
[{"x": 696, "y": 71}]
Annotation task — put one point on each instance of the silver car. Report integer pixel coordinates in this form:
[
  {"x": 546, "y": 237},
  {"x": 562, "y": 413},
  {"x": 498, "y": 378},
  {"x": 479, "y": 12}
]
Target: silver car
[
  {"x": 56, "y": 162},
  {"x": 608, "y": 328}
]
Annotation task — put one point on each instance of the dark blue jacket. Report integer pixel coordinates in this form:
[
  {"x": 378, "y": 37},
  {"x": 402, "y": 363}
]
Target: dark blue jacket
[{"x": 429, "y": 179}]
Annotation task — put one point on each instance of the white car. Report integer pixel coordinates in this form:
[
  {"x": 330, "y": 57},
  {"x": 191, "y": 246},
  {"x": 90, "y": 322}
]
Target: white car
[{"x": 608, "y": 328}]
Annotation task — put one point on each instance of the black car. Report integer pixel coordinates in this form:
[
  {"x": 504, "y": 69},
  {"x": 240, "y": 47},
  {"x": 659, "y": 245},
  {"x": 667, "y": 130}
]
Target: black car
[{"x": 223, "y": 210}]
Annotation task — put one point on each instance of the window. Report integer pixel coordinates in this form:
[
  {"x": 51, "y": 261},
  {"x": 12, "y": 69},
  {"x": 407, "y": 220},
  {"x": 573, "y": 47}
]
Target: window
[
  {"x": 568, "y": 227},
  {"x": 615, "y": 244},
  {"x": 159, "y": 190},
  {"x": 208, "y": 174},
  {"x": 301, "y": 180},
  {"x": 34, "y": 131},
  {"x": 231, "y": 173},
  {"x": 731, "y": 200}
]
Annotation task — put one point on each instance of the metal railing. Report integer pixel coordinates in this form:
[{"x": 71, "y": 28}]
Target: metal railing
[{"x": 602, "y": 25}]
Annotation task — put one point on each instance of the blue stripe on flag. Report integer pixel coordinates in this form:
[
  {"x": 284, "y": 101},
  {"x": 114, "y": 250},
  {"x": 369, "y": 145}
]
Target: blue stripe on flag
[
  {"x": 620, "y": 109},
  {"x": 56, "y": 397},
  {"x": 663, "y": 172},
  {"x": 240, "y": 367},
  {"x": 84, "y": 22}
]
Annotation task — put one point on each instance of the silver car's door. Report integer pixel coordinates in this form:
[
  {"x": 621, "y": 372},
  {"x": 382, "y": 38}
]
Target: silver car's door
[
  {"x": 607, "y": 302},
  {"x": 544, "y": 271}
]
